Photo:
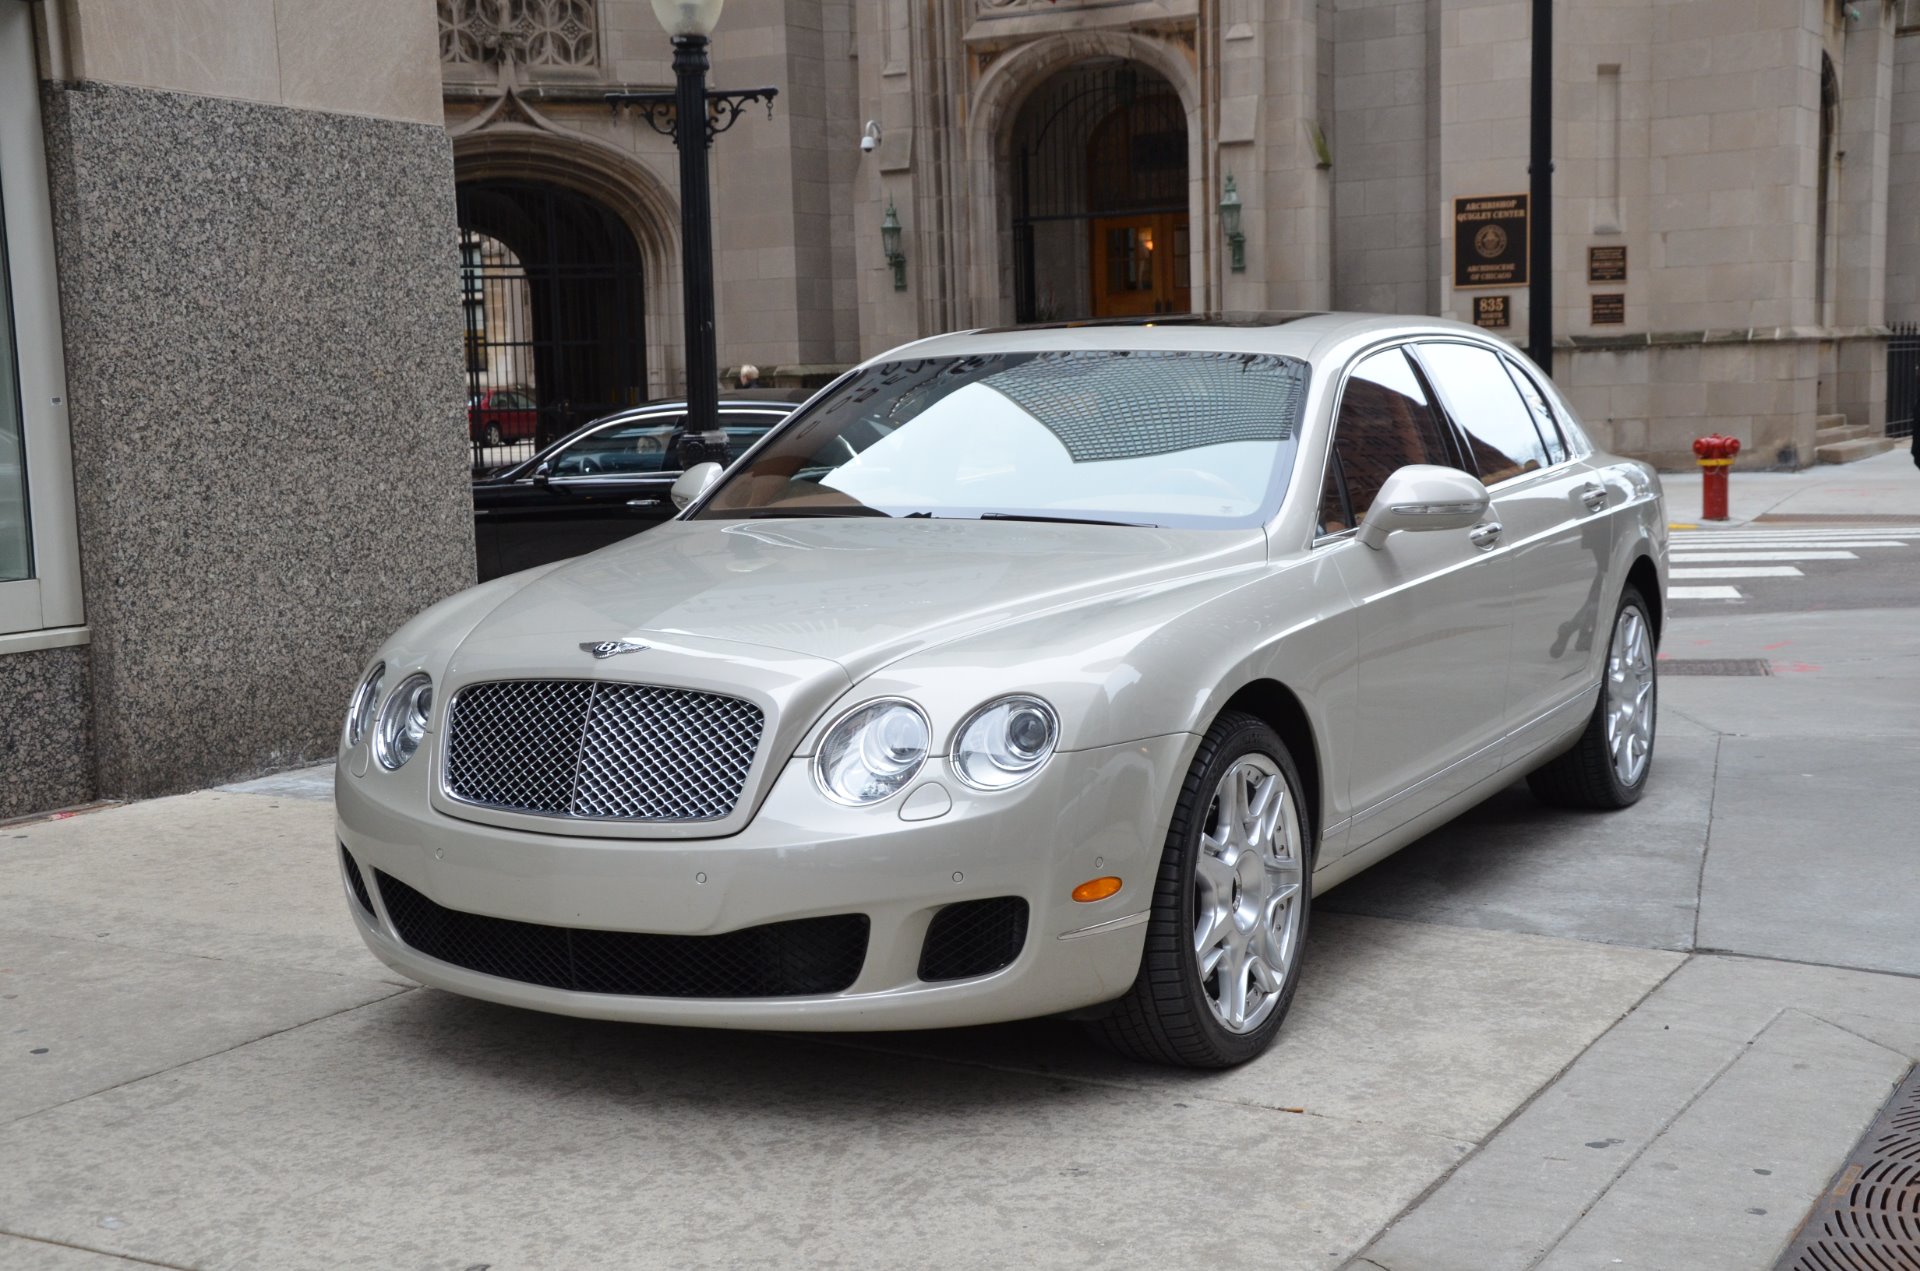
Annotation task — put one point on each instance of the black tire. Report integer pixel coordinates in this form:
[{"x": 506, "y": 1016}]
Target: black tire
[
  {"x": 1585, "y": 776},
  {"x": 493, "y": 437},
  {"x": 1168, "y": 1016}
]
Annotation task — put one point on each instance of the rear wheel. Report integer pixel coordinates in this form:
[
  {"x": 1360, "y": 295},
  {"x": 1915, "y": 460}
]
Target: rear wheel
[
  {"x": 493, "y": 435},
  {"x": 1229, "y": 915},
  {"x": 1607, "y": 768}
]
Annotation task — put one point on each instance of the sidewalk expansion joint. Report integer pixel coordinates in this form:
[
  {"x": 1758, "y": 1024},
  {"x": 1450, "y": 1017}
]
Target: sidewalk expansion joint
[
  {"x": 135, "y": 1259},
  {"x": 1633, "y": 1157},
  {"x": 212, "y": 1054},
  {"x": 1519, "y": 1111}
]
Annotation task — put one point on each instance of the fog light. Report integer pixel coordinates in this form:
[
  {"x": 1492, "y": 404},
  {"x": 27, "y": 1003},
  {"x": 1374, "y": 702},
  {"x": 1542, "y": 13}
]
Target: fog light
[{"x": 1096, "y": 889}]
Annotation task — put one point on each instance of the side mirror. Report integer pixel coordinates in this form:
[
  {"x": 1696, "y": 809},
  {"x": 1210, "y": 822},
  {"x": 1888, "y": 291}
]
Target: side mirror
[
  {"x": 542, "y": 473},
  {"x": 1423, "y": 497},
  {"x": 693, "y": 483}
]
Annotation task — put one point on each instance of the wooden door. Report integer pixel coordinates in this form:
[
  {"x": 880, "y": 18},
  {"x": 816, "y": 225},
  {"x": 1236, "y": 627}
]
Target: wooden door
[{"x": 1140, "y": 265}]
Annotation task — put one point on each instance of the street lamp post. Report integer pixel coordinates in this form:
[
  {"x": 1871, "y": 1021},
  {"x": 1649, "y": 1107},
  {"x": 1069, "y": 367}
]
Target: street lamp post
[{"x": 693, "y": 115}]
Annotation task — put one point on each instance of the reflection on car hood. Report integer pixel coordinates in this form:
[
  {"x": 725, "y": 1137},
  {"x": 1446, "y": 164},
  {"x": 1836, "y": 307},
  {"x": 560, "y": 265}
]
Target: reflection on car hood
[{"x": 861, "y": 592}]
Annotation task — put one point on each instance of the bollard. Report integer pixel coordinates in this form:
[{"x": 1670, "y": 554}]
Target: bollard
[{"x": 1716, "y": 457}]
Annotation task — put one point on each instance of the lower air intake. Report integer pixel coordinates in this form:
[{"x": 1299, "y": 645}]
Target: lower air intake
[
  {"x": 802, "y": 958},
  {"x": 356, "y": 881},
  {"x": 974, "y": 937}
]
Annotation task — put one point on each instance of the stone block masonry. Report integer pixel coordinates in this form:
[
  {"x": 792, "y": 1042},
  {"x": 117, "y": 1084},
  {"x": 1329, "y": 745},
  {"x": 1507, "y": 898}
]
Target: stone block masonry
[{"x": 262, "y": 319}]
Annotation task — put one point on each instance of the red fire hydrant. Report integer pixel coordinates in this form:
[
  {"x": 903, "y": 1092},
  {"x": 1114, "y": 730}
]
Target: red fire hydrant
[{"x": 1716, "y": 457}]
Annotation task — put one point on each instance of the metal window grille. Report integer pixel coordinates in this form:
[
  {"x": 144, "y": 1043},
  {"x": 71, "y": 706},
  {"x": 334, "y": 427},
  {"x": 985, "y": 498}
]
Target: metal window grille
[
  {"x": 554, "y": 298},
  {"x": 1098, "y": 139},
  {"x": 1903, "y": 378}
]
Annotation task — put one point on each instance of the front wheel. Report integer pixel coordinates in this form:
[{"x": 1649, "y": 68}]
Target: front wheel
[
  {"x": 1230, "y": 905},
  {"x": 1607, "y": 768}
]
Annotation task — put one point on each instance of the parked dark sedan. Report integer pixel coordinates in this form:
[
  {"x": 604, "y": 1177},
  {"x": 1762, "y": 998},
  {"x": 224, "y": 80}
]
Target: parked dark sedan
[{"x": 607, "y": 480}]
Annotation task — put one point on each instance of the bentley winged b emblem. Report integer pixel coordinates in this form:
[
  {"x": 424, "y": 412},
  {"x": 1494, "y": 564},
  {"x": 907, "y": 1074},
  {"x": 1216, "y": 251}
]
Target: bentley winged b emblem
[{"x": 612, "y": 648}]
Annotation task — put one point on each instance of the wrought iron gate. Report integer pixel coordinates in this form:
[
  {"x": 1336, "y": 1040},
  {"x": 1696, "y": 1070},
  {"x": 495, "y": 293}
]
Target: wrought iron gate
[
  {"x": 555, "y": 315},
  {"x": 1903, "y": 378},
  {"x": 1100, "y": 140}
]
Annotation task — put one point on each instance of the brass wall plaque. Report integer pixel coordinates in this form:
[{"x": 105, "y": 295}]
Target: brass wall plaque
[
  {"x": 1607, "y": 264},
  {"x": 1490, "y": 241},
  {"x": 1490, "y": 311},
  {"x": 1609, "y": 310}
]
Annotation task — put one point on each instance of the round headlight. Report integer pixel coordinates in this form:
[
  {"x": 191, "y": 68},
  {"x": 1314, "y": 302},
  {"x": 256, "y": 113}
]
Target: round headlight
[
  {"x": 403, "y": 721},
  {"x": 1005, "y": 742},
  {"x": 872, "y": 751},
  {"x": 360, "y": 708}
]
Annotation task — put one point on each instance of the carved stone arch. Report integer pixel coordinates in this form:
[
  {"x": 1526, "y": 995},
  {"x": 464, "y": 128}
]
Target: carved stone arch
[
  {"x": 626, "y": 188},
  {"x": 995, "y": 105}
]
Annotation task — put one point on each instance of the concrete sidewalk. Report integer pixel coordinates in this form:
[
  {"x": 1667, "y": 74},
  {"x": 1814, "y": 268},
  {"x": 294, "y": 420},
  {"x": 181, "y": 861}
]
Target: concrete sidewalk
[
  {"x": 1885, "y": 485},
  {"x": 1534, "y": 1039}
]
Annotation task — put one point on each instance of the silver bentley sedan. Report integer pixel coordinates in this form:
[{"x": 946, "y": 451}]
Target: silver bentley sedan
[{"x": 1019, "y": 672}]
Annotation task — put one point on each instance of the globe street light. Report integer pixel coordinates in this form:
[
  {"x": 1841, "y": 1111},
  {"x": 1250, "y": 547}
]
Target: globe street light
[{"x": 693, "y": 116}]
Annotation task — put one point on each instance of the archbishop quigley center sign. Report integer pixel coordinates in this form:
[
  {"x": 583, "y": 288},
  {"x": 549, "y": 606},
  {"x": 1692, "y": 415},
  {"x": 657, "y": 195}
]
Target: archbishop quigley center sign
[{"x": 1490, "y": 241}]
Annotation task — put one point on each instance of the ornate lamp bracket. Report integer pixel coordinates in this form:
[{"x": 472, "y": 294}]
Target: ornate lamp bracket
[{"x": 724, "y": 108}]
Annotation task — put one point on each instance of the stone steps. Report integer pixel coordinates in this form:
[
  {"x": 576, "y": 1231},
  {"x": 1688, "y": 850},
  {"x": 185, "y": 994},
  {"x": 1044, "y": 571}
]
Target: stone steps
[
  {"x": 1852, "y": 451},
  {"x": 1834, "y": 441}
]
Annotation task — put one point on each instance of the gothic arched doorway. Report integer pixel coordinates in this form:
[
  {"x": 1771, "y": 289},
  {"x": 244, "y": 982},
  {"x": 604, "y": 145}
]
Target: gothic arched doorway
[
  {"x": 555, "y": 304},
  {"x": 1099, "y": 186}
]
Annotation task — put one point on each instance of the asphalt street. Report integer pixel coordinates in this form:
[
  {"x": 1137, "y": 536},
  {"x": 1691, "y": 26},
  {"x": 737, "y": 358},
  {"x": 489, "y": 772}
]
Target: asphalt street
[{"x": 1535, "y": 1039}]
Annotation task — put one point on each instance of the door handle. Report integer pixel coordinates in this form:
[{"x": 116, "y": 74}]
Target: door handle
[
  {"x": 1484, "y": 535},
  {"x": 644, "y": 503},
  {"x": 1594, "y": 496}
]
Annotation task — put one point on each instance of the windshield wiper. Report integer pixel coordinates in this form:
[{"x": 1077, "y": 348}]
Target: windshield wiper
[{"x": 1064, "y": 520}]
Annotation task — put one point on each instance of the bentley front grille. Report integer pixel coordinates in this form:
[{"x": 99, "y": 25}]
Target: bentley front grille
[{"x": 601, "y": 751}]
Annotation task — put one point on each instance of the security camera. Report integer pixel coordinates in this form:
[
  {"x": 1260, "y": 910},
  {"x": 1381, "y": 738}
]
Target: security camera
[{"x": 870, "y": 138}]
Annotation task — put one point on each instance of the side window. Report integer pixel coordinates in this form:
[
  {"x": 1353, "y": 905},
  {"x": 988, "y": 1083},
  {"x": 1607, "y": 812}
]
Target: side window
[
  {"x": 1334, "y": 514},
  {"x": 1543, "y": 416},
  {"x": 1478, "y": 393},
  {"x": 634, "y": 448},
  {"x": 744, "y": 427},
  {"x": 1385, "y": 423}
]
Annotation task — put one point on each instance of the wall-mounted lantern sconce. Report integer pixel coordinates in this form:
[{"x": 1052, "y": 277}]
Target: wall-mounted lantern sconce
[
  {"x": 1230, "y": 226},
  {"x": 890, "y": 243}
]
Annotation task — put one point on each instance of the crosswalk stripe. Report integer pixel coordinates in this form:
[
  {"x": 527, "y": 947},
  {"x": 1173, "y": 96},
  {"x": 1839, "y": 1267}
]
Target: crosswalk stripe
[
  {"x": 1735, "y": 558},
  {"x": 1740, "y": 571},
  {"x": 1762, "y": 536},
  {"x": 1733, "y": 553},
  {"x": 1785, "y": 545}
]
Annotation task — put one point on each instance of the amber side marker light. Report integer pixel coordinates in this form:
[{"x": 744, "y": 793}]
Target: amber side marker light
[{"x": 1096, "y": 889}]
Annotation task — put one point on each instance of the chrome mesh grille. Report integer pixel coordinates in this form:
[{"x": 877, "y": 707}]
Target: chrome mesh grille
[{"x": 592, "y": 749}]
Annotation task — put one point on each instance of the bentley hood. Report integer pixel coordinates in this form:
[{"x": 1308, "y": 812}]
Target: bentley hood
[{"x": 860, "y": 592}]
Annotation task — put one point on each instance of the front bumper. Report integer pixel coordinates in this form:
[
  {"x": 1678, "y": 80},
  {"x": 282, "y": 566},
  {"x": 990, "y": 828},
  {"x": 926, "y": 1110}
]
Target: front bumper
[{"x": 1089, "y": 814}]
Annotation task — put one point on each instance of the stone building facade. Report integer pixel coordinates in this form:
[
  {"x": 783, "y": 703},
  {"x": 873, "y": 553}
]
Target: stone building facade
[
  {"x": 1735, "y": 162},
  {"x": 243, "y": 238}
]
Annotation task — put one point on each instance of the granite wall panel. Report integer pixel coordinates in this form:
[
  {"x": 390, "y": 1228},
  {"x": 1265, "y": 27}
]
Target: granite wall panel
[
  {"x": 263, "y": 336},
  {"x": 46, "y": 731}
]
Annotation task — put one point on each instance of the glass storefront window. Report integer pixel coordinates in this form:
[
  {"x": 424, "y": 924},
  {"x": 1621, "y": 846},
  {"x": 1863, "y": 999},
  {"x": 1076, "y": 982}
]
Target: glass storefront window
[{"x": 16, "y": 549}]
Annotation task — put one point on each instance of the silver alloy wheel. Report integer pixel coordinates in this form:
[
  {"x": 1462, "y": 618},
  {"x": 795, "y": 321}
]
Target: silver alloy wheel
[
  {"x": 1630, "y": 701},
  {"x": 1247, "y": 893}
]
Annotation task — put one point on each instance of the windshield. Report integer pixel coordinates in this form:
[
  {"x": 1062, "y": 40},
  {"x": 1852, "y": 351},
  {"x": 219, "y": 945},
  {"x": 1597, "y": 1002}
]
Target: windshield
[{"x": 1140, "y": 438}]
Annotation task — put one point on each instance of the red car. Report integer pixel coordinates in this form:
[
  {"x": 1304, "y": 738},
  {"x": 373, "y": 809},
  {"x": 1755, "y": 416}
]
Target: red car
[{"x": 499, "y": 415}]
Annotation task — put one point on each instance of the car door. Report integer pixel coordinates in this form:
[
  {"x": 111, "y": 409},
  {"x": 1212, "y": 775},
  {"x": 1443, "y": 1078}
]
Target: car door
[
  {"x": 595, "y": 489},
  {"x": 1555, "y": 537},
  {"x": 1431, "y": 609}
]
